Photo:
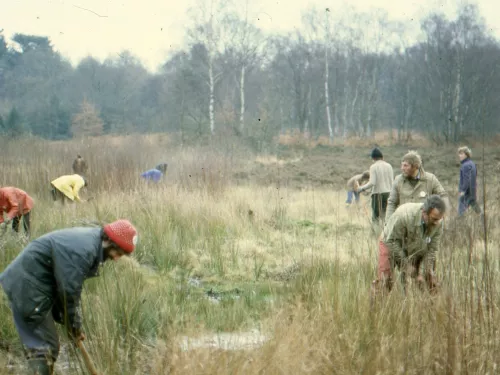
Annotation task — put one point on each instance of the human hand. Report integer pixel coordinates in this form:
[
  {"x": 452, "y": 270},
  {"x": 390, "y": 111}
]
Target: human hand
[
  {"x": 76, "y": 335},
  {"x": 412, "y": 271},
  {"x": 80, "y": 337}
]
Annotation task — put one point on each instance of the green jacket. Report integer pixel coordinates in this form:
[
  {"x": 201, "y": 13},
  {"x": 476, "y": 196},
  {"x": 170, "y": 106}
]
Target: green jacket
[
  {"x": 48, "y": 275},
  {"x": 403, "y": 191},
  {"x": 405, "y": 237}
]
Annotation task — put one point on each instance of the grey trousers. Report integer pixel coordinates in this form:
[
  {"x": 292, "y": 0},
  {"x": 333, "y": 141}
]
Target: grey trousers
[{"x": 38, "y": 341}]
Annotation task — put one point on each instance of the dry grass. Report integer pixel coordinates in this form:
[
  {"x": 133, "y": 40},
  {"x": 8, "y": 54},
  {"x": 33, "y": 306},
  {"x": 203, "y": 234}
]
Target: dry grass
[
  {"x": 383, "y": 138},
  {"x": 290, "y": 271}
]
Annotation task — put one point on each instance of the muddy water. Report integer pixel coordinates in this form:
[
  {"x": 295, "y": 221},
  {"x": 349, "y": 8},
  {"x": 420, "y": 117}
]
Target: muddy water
[{"x": 225, "y": 341}]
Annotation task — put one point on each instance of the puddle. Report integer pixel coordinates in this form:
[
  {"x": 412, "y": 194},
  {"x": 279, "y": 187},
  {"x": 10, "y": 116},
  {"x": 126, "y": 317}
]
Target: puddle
[{"x": 225, "y": 341}]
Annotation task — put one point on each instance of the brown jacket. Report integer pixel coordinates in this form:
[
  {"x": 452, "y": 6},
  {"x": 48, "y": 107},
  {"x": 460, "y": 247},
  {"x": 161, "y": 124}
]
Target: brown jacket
[
  {"x": 355, "y": 179},
  {"x": 80, "y": 166},
  {"x": 403, "y": 191},
  {"x": 404, "y": 235}
]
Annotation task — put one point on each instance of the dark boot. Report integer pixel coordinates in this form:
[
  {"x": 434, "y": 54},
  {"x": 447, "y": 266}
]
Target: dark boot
[{"x": 40, "y": 366}]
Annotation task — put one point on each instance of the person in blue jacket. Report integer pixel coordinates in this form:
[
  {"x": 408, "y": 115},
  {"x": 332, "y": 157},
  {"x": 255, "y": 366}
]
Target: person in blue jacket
[
  {"x": 467, "y": 187},
  {"x": 156, "y": 173},
  {"x": 44, "y": 284}
]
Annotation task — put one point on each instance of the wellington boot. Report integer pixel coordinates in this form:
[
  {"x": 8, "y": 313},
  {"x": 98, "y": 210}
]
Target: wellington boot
[{"x": 39, "y": 366}]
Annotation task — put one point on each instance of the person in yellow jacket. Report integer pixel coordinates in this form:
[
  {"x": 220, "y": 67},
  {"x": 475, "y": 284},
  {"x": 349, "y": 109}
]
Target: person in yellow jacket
[{"x": 67, "y": 187}]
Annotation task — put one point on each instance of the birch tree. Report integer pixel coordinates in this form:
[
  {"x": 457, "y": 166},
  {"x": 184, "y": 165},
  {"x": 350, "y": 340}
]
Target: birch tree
[
  {"x": 248, "y": 44},
  {"x": 210, "y": 20},
  {"x": 318, "y": 24}
]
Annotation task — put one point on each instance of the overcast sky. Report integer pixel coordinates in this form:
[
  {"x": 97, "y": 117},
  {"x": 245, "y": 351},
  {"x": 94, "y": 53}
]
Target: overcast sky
[{"x": 150, "y": 28}]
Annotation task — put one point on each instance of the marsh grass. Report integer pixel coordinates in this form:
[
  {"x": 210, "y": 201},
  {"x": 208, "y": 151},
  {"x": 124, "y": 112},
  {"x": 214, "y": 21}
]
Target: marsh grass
[{"x": 292, "y": 265}]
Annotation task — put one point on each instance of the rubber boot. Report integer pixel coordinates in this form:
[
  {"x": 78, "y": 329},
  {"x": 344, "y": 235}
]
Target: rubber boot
[{"x": 39, "y": 366}]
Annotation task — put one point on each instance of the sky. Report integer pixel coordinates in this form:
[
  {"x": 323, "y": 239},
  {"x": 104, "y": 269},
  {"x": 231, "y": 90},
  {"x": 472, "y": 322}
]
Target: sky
[{"x": 151, "y": 29}]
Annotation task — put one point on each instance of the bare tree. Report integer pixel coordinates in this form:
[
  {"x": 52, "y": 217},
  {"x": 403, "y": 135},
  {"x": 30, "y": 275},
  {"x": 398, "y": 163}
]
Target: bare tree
[
  {"x": 210, "y": 21},
  {"x": 87, "y": 122},
  {"x": 317, "y": 24},
  {"x": 248, "y": 43}
]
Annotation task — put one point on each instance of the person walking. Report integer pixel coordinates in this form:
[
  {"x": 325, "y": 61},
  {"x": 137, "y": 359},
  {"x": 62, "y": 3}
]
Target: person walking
[
  {"x": 380, "y": 182},
  {"x": 353, "y": 184},
  {"x": 67, "y": 187},
  {"x": 410, "y": 240},
  {"x": 467, "y": 186},
  {"x": 44, "y": 283},
  {"x": 17, "y": 204}
]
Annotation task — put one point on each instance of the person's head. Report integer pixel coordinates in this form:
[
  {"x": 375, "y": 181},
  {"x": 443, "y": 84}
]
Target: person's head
[
  {"x": 78, "y": 157},
  {"x": 162, "y": 167},
  {"x": 377, "y": 154},
  {"x": 119, "y": 238},
  {"x": 464, "y": 152},
  {"x": 410, "y": 164},
  {"x": 433, "y": 210},
  {"x": 365, "y": 175}
]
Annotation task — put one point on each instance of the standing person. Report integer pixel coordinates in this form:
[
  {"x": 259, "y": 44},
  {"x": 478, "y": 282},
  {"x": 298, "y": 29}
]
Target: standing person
[
  {"x": 410, "y": 241},
  {"x": 18, "y": 205},
  {"x": 413, "y": 184},
  {"x": 353, "y": 184},
  {"x": 381, "y": 176},
  {"x": 467, "y": 187},
  {"x": 80, "y": 166},
  {"x": 44, "y": 284},
  {"x": 67, "y": 187},
  {"x": 156, "y": 173}
]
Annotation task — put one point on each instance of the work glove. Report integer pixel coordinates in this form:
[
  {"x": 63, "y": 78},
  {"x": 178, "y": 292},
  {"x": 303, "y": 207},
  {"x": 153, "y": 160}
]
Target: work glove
[{"x": 76, "y": 334}]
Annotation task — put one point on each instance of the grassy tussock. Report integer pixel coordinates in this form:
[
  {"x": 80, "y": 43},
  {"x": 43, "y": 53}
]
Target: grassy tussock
[{"x": 293, "y": 266}]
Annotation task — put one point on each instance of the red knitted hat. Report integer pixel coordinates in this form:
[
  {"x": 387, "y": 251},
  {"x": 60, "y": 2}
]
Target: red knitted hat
[{"x": 122, "y": 233}]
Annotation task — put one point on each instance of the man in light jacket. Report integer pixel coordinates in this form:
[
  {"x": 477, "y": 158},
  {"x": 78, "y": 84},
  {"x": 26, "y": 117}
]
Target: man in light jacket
[
  {"x": 381, "y": 177},
  {"x": 44, "y": 284},
  {"x": 413, "y": 185},
  {"x": 410, "y": 241}
]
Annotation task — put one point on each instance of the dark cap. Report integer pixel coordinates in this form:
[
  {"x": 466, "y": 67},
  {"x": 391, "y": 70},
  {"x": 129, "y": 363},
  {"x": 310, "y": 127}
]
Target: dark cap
[{"x": 376, "y": 154}]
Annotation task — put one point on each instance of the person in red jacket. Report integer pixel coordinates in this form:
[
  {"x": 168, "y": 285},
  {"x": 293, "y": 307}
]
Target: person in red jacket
[{"x": 17, "y": 204}]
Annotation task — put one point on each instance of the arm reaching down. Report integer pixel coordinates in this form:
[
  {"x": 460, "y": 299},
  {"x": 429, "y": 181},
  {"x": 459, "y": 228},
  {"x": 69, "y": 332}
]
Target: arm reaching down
[{"x": 70, "y": 272}]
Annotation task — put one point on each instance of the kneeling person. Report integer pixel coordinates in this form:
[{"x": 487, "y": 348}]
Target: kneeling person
[
  {"x": 411, "y": 239},
  {"x": 45, "y": 281}
]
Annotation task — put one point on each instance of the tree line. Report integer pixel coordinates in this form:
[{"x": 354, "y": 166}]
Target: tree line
[{"x": 335, "y": 76}]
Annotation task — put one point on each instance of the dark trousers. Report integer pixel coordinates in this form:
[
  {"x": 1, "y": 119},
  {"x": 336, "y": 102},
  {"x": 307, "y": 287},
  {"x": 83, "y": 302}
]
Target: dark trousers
[
  {"x": 379, "y": 206},
  {"x": 26, "y": 223},
  {"x": 464, "y": 202},
  {"x": 57, "y": 194},
  {"x": 40, "y": 341}
]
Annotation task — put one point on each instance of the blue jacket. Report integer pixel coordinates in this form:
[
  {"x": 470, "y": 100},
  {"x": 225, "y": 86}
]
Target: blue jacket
[
  {"x": 153, "y": 175},
  {"x": 468, "y": 178},
  {"x": 48, "y": 275}
]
